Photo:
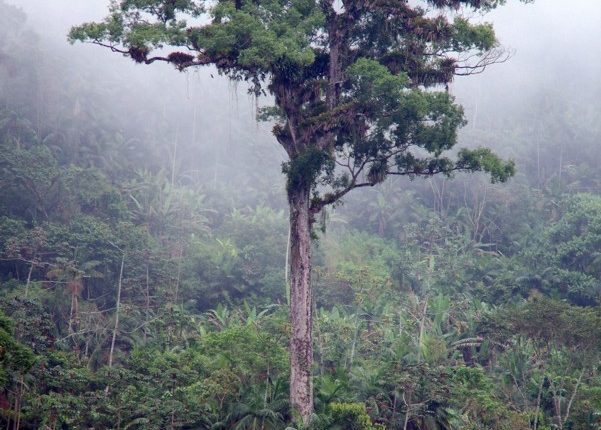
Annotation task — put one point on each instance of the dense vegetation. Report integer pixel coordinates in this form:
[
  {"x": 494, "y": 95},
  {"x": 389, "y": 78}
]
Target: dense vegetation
[{"x": 137, "y": 295}]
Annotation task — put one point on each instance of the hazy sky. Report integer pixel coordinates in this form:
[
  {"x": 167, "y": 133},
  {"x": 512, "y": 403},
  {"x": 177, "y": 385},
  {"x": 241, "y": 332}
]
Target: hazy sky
[
  {"x": 550, "y": 39},
  {"x": 537, "y": 32},
  {"x": 554, "y": 42}
]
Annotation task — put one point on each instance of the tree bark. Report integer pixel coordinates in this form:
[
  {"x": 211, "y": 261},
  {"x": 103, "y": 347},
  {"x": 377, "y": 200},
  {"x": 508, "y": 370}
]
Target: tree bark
[{"x": 301, "y": 319}]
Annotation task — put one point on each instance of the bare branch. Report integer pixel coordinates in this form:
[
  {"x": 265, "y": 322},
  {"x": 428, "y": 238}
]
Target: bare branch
[{"x": 494, "y": 56}]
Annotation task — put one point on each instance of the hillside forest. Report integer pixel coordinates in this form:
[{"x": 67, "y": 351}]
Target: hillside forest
[{"x": 144, "y": 254}]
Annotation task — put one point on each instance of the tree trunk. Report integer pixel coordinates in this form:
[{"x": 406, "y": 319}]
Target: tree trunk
[
  {"x": 18, "y": 404},
  {"x": 538, "y": 400},
  {"x": 301, "y": 340},
  {"x": 147, "y": 311},
  {"x": 116, "y": 328},
  {"x": 29, "y": 279},
  {"x": 574, "y": 393}
]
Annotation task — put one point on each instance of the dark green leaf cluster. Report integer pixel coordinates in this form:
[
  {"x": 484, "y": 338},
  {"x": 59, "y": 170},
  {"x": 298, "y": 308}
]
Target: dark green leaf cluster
[{"x": 15, "y": 357}]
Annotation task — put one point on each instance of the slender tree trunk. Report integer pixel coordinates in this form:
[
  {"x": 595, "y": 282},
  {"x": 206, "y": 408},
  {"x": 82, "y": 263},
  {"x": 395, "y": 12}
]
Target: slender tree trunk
[
  {"x": 116, "y": 328},
  {"x": 407, "y": 412},
  {"x": 557, "y": 405},
  {"x": 538, "y": 400},
  {"x": 18, "y": 404},
  {"x": 178, "y": 275},
  {"x": 574, "y": 393},
  {"x": 147, "y": 311},
  {"x": 173, "y": 162},
  {"x": 28, "y": 279},
  {"x": 301, "y": 341},
  {"x": 70, "y": 328},
  {"x": 354, "y": 344},
  {"x": 265, "y": 396},
  {"x": 422, "y": 327}
]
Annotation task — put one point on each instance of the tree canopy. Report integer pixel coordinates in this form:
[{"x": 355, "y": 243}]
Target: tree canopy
[{"x": 356, "y": 85}]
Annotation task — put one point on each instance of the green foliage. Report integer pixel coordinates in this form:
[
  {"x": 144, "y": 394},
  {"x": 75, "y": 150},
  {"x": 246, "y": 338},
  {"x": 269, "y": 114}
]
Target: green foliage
[
  {"x": 449, "y": 305},
  {"x": 14, "y": 356},
  {"x": 351, "y": 416},
  {"x": 480, "y": 36},
  {"x": 243, "y": 259},
  {"x": 482, "y": 409},
  {"x": 558, "y": 323},
  {"x": 483, "y": 159},
  {"x": 360, "y": 265},
  {"x": 565, "y": 258}
]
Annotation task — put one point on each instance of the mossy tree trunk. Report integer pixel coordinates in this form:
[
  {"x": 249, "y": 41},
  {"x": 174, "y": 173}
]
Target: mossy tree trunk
[{"x": 301, "y": 343}]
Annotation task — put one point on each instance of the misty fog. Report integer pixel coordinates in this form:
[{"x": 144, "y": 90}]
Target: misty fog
[{"x": 554, "y": 59}]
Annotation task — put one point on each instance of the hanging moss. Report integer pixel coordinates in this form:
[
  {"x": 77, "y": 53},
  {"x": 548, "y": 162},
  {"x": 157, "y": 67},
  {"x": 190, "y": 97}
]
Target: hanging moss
[{"x": 377, "y": 172}]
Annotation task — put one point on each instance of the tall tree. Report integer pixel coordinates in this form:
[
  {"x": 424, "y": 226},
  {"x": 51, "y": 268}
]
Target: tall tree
[{"x": 359, "y": 91}]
